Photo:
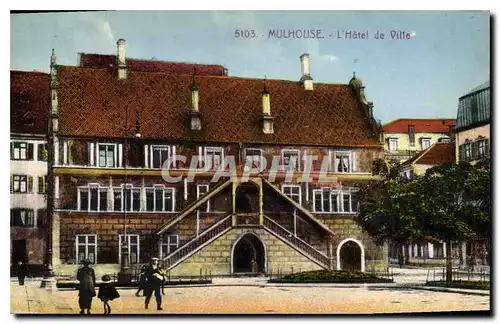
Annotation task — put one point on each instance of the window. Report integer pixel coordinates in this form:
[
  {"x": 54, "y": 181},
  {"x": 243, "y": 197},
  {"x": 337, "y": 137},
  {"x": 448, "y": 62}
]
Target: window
[
  {"x": 200, "y": 191},
  {"x": 393, "y": 144},
  {"x": 86, "y": 248},
  {"x": 290, "y": 160},
  {"x": 444, "y": 140},
  {"x": 22, "y": 217},
  {"x": 160, "y": 199},
  {"x": 41, "y": 218},
  {"x": 426, "y": 143},
  {"x": 159, "y": 154},
  {"x": 293, "y": 191},
  {"x": 132, "y": 242},
  {"x": 438, "y": 250},
  {"x": 21, "y": 151},
  {"x": 107, "y": 155},
  {"x": 42, "y": 184},
  {"x": 127, "y": 198},
  {"x": 93, "y": 198},
  {"x": 411, "y": 134},
  {"x": 213, "y": 158},
  {"x": 42, "y": 152},
  {"x": 168, "y": 244},
  {"x": 342, "y": 162},
  {"x": 21, "y": 183},
  {"x": 253, "y": 158},
  {"x": 335, "y": 201},
  {"x": 468, "y": 151},
  {"x": 483, "y": 147}
]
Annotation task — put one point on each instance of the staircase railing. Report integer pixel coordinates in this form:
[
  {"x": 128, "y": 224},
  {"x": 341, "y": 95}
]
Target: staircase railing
[
  {"x": 193, "y": 205},
  {"x": 204, "y": 238},
  {"x": 302, "y": 246}
]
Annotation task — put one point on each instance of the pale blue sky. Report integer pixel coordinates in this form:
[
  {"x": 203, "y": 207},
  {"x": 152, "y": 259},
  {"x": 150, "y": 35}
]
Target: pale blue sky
[{"x": 417, "y": 78}]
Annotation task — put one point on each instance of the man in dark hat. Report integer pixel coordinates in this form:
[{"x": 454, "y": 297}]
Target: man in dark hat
[
  {"x": 86, "y": 287},
  {"x": 153, "y": 283}
]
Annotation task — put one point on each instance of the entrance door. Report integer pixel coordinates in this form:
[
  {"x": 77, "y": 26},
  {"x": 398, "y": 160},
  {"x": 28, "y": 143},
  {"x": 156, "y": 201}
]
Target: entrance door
[
  {"x": 248, "y": 256},
  {"x": 350, "y": 256},
  {"x": 18, "y": 251}
]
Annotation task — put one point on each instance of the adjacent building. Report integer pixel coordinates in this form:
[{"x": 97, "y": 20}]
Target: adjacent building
[
  {"x": 473, "y": 124},
  {"x": 29, "y": 111},
  {"x": 403, "y": 138},
  {"x": 119, "y": 125}
]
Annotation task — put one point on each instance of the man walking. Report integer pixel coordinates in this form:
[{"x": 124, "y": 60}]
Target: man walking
[
  {"x": 153, "y": 283},
  {"x": 86, "y": 286},
  {"x": 22, "y": 272}
]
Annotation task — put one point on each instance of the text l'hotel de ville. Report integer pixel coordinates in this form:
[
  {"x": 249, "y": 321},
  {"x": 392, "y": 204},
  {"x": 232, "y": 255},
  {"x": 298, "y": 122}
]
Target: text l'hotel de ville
[{"x": 334, "y": 34}]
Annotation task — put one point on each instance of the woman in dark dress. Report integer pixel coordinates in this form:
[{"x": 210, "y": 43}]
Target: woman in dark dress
[
  {"x": 86, "y": 287},
  {"x": 107, "y": 292}
]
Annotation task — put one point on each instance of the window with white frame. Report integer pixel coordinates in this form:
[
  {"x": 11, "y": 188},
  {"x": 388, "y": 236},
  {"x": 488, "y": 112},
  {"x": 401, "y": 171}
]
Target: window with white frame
[
  {"x": 483, "y": 147},
  {"x": 201, "y": 190},
  {"x": 93, "y": 198},
  {"x": 293, "y": 191},
  {"x": 253, "y": 158},
  {"x": 22, "y": 217},
  {"x": 468, "y": 150},
  {"x": 393, "y": 144},
  {"x": 86, "y": 248},
  {"x": 132, "y": 243},
  {"x": 21, "y": 151},
  {"x": 214, "y": 156},
  {"x": 42, "y": 184},
  {"x": 168, "y": 244},
  {"x": 159, "y": 154},
  {"x": 335, "y": 201},
  {"x": 126, "y": 198},
  {"x": 21, "y": 183},
  {"x": 290, "y": 160},
  {"x": 160, "y": 199},
  {"x": 342, "y": 161},
  {"x": 426, "y": 143},
  {"x": 107, "y": 156}
]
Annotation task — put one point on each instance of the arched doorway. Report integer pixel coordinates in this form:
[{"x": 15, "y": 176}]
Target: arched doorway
[
  {"x": 350, "y": 255},
  {"x": 247, "y": 198},
  {"x": 248, "y": 255}
]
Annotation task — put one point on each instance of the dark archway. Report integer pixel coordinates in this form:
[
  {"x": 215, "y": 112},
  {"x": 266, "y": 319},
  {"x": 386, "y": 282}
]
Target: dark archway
[
  {"x": 249, "y": 256},
  {"x": 247, "y": 198},
  {"x": 350, "y": 256}
]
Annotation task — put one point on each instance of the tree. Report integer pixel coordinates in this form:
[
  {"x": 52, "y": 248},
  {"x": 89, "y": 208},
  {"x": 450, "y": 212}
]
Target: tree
[
  {"x": 453, "y": 204},
  {"x": 389, "y": 209}
]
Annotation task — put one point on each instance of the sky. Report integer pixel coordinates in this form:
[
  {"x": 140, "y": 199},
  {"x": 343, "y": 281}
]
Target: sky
[{"x": 420, "y": 77}]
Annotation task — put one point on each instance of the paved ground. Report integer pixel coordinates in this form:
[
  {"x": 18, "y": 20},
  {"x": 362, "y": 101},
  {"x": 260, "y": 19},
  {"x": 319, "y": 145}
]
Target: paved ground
[{"x": 254, "y": 297}]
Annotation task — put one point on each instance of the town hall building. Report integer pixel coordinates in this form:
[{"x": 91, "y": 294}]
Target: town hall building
[{"x": 119, "y": 124}]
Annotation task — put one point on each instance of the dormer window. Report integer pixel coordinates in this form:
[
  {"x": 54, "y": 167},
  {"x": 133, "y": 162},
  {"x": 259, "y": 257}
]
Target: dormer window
[
  {"x": 159, "y": 154},
  {"x": 253, "y": 158},
  {"x": 107, "y": 155},
  {"x": 290, "y": 160}
]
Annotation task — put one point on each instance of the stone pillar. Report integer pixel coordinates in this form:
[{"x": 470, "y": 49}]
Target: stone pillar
[
  {"x": 234, "y": 185},
  {"x": 444, "y": 250},
  {"x": 431, "y": 250},
  {"x": 56, "y": 234},
  {"x": 464, "y": 254}
]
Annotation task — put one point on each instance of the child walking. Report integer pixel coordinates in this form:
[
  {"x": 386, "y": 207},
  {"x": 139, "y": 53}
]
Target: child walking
[{"x": 107, "y": 292}]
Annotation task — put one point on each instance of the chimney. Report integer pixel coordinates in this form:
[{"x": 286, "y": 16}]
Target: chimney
[
  {"x": 370, "y": 109},
  {"x": 306, "y": 78},
  {"x": 195, "y": 109},
  {"x": 267, "y": 119},
  {"x": 120, "y": 59}
]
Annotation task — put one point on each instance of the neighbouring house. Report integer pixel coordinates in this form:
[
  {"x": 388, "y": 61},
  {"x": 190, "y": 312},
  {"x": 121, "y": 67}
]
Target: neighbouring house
[
  {"x": 403, "y": 138},
  {"x": 29, "y": 114},
  {"x": 116, "y": 123},
  {"x": 472, "y": 142}
]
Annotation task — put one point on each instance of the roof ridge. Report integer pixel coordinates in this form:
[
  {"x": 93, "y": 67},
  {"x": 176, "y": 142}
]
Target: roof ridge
[{"x": 158, "y": 61}]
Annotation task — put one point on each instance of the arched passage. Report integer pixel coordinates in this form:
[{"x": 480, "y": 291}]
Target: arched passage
[
  {"x": 350, "y": 255},
  {"x": 248, "y": 255},
  {"x": 247, "y": 198}
]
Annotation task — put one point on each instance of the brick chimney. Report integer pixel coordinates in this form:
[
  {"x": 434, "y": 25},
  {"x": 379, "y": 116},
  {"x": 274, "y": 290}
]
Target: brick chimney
[
  {"x": 267, "y": 119},
  {"x": 305, "y": 65},
  {"x": 121, "y": 62},
  {"x": 195, "y": 109}
]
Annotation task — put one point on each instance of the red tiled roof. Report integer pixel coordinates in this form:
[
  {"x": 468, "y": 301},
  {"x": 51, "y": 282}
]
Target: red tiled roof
[
  {"x": 421, "y": 125},
  {"x": 29, "y": 102},
  {"x": 99, "y": 61},
  {"x": 93, "y": 102},
  {"x": 437, "y": 154}
]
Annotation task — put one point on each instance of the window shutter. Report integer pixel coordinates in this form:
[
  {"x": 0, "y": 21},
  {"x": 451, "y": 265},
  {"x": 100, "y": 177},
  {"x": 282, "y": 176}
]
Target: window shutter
[
  {"x": 11, "y": 182},
  {"x": 30, "y": 184},
  {"x": 11, "y": 150},
  {"x": 487, "y": 147},
  {"x": 30, "y": 151}
]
